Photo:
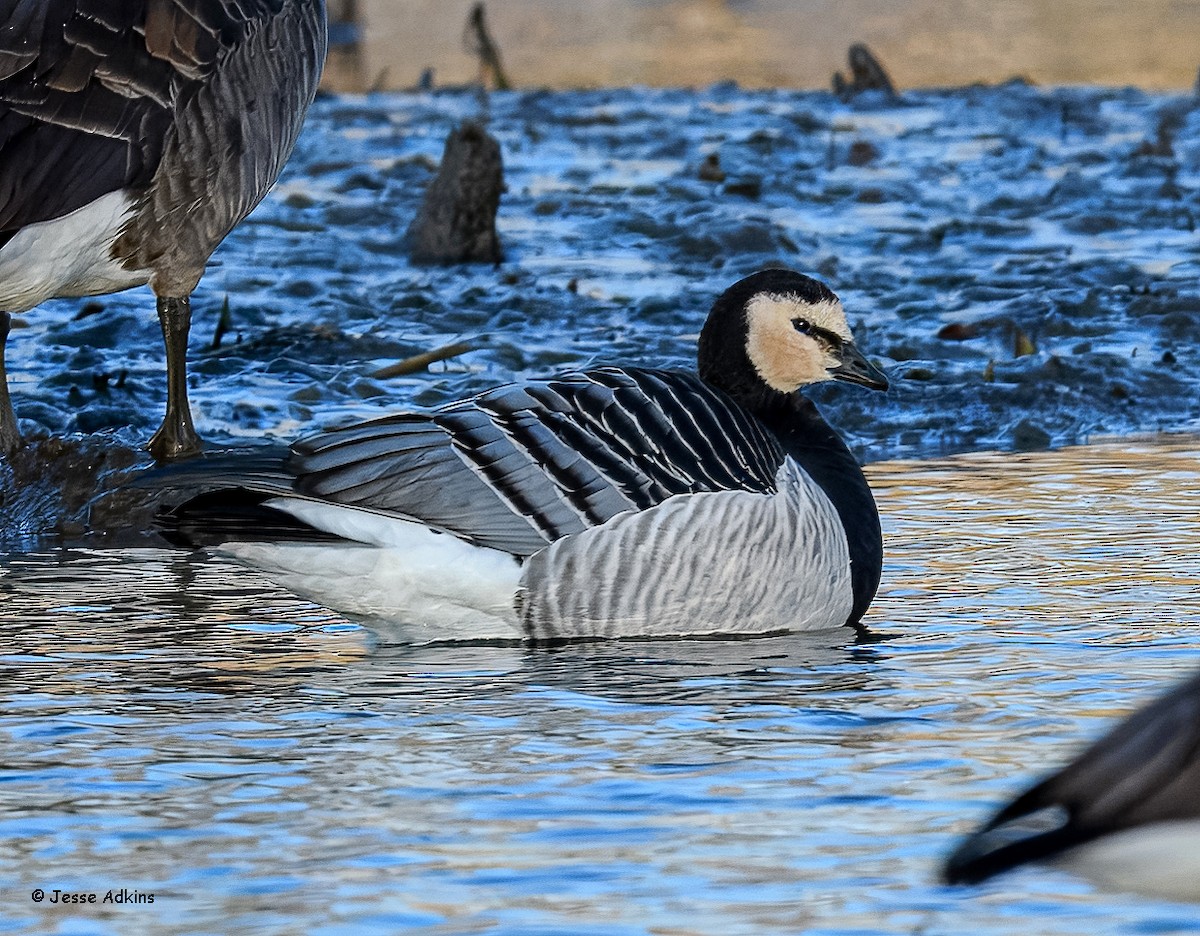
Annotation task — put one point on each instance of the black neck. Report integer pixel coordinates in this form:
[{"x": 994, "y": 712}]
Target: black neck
[{"x": 818, "y": 449}]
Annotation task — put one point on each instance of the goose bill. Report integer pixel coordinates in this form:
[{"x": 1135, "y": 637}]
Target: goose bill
[{"x": 854, "y": 368}]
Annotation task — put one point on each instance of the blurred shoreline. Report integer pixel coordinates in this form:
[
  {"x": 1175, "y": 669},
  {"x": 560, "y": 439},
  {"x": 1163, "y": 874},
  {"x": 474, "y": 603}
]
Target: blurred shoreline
[{"x": 389, "y": 44}]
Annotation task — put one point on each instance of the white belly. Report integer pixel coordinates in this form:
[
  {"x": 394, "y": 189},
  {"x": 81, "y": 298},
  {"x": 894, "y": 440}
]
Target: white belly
[
  {"x": 1162, "y": 860},
  {"x": 69, "y": 256}
]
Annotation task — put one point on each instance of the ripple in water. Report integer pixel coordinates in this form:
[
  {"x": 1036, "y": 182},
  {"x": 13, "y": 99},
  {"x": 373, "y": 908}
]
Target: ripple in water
[{"x": 179, "y": 726}]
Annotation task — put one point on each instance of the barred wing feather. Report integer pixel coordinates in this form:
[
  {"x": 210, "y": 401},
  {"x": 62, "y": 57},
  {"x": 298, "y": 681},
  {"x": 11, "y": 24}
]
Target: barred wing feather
[{"x": 521, "y": 466}]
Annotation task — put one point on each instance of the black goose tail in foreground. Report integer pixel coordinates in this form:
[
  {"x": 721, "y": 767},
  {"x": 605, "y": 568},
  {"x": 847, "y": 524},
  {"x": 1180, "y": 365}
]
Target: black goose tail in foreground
[{"x": 1126, "y": 811}]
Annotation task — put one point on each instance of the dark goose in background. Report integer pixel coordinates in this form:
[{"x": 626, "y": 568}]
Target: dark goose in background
[
  {"x": 615, "y": 502},
  {"x": 134, "y": 134}
]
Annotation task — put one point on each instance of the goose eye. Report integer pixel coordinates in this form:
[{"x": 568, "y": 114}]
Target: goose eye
[{"x": 802, "y": 325}]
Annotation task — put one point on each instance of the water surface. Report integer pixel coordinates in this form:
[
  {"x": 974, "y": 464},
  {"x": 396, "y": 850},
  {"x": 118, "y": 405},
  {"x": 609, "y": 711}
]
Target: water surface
[{"x": 177, "y": 726}]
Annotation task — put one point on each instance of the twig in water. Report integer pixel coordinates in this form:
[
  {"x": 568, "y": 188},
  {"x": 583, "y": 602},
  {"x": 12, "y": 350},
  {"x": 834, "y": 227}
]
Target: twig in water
[
  {"x": 866, "y": 74},
  {"x": 223, "y": 323},
  {"x": 479, "y": 42},
  {"x": 418, "y": 362}
]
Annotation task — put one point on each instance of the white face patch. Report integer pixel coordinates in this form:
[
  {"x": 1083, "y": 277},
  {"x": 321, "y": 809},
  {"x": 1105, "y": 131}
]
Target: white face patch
[{"x": 785, "y": 358}]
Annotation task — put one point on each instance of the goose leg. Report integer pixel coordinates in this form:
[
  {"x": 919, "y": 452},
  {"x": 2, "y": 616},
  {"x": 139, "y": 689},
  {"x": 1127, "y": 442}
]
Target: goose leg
[
  {"x": 10, "y": 437},
  {"x": 176, "y": 437}
]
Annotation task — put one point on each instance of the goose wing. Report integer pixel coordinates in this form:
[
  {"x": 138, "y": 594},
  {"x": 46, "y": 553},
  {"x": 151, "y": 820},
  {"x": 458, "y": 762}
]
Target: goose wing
[
  {"x": 1146, "y": 770},
  {"x": 520, "y": 466},
  {"x": 88, "y": 90}
]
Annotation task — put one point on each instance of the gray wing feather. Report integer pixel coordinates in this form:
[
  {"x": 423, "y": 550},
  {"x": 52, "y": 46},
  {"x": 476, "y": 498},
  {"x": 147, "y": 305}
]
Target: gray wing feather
[
  {"x": 523, "y": 465},
  {"x": 406, "y": 465}
]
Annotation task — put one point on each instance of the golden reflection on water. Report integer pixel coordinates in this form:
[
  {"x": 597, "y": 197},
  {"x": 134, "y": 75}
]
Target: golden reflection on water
[
  {"x": 1059, "y": 585},
  {"x": 1032, "y": 542},
  {"x": 1047, "y": 538}
]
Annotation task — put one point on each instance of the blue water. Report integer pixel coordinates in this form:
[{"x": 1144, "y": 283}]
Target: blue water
[{"x": 177, "y": 726}]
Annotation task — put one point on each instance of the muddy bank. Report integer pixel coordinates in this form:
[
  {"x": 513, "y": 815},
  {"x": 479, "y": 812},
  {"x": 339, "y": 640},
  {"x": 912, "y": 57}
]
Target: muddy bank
[
  {"x": 778, "y": 43},
  {"x": 1021, "y": 261}
]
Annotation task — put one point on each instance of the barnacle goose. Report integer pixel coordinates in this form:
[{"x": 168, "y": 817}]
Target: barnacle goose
[
  {"x": 1125, "y": 813},
  {"x": 134, "y": 134},
  {"x": 617, "y": 501}
]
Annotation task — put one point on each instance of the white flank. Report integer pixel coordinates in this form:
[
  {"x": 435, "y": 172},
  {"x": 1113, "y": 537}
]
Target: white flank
[
  {"x": 725, "y": 562},
  {"x": 433, "y": 586},
  {"x": 728, "y": 562},
  {"x": 1161, "y": 860},
  {"x": 69, "y": 256}
]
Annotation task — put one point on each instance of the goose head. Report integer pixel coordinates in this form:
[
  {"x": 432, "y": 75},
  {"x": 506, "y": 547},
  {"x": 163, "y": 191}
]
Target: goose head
[{"x": 778, "y": 330}]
